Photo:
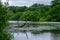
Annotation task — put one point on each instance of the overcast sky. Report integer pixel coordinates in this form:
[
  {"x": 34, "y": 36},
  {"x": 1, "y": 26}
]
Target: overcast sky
[{"x": 27, "y": 2}]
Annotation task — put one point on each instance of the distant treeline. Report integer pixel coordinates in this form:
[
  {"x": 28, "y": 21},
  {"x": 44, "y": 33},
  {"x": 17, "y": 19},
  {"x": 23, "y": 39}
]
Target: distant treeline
[{"x": 36, "y": 12}]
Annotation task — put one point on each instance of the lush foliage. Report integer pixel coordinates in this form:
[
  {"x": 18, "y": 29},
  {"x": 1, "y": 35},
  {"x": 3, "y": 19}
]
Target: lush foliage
[
  {"x": 16, "y": 16},
  {"x": 3, "y": 24},
  {"x": 30, "y": 16},
  {"x": 55, "y": 2},
  {"x": 15, "y": 9},
  {"x": 33, "y": 13},
  {"x": 53, "y": 14},
  {"x": 36, "y": 12}
]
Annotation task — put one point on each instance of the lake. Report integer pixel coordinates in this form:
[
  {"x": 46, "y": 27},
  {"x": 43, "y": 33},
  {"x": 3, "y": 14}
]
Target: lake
[
  {"x": 35, "y": 32},
  {"x": 37, "y": 35}
]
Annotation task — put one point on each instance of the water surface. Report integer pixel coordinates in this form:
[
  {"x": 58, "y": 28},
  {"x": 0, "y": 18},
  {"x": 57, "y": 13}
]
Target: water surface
[{"x": 36, "y": 35}]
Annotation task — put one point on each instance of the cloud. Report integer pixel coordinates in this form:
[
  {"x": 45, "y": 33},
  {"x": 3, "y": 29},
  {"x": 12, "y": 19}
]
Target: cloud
[{"x": 27, "y": 2}]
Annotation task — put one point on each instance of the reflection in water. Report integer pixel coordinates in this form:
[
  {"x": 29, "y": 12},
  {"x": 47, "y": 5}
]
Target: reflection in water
[
  {"x": 40, "y": 36},
  {"x": 56, "y": 35},
  {"x": 26, "y": 35},
  {"x": 22, "y": 36}
]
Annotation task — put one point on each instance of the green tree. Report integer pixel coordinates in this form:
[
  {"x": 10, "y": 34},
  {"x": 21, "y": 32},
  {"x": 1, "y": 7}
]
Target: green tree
[
  {"x": 53, "y": 14},
  {"x": 3, "y": 23},
  {"x": 30, "y": 16},
  {"x": 55, "y": 2},
  {"x": 26, "y": 16},
  {"x": 16, "y": 16},
  {"x": 15, "y": 9},
  {"x": 9, "y": 13}
]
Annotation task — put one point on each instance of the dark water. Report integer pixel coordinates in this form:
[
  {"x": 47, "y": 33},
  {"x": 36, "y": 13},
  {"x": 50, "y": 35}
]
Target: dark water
[{"x": 37, "y": 35}]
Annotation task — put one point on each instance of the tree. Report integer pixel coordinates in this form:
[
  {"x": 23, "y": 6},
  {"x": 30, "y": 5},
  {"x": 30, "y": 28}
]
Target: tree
[
  {"x": 26, "y": 16},
  {"x": 55, "y": 2},
  {"x": 53, "y": 14},
  {"x": 30, "y": 16},
  {"x": 3, "y": 23},
  {"x": 15, "y": 9},
  {"x": 16, "y": 16}
]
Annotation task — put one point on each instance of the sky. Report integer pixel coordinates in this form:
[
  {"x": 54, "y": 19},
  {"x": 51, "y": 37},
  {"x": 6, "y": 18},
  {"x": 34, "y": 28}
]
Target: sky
[{"x": 27, "y": 2}]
